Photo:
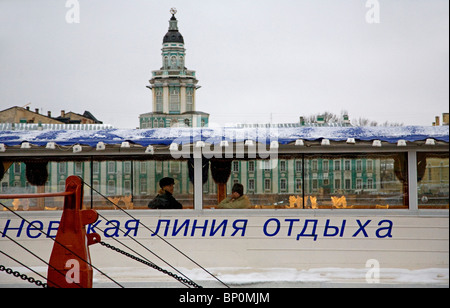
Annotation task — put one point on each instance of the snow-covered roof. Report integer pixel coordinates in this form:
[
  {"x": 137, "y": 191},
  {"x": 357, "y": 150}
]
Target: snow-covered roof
[{"x": 167, "y": 136}]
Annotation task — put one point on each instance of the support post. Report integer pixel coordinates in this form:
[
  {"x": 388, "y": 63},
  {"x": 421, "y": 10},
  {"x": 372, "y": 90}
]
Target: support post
[
  {"x": 198, "y": 180},
  {"x": 412, "y": 180}
]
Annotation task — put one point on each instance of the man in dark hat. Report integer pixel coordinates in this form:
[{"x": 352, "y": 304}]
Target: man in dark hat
[{"x": 165, "y": 200}]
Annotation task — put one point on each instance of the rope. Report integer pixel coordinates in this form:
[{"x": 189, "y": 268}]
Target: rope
[
  {"x": 168, "y": 243},
  {"x": 55, "y": 242},
  {"x": 186, "y": 281},
  {"x": 139, "y": 243}
]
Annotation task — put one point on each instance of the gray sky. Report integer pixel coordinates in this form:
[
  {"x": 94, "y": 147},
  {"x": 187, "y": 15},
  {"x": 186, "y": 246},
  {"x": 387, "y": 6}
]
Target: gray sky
[{"x": 256, "y": 60}]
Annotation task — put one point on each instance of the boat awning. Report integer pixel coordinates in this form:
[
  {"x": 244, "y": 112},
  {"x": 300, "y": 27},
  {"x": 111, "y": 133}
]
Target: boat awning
[{"x": 167, "y": 136}]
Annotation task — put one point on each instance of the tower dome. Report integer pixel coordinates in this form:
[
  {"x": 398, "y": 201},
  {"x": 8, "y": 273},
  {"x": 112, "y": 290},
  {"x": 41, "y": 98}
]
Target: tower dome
[{"x": 173, "y": 35}]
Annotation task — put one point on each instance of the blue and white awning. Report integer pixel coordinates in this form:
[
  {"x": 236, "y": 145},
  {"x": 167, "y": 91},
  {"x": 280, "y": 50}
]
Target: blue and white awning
[{"x": 167, "y": 136}]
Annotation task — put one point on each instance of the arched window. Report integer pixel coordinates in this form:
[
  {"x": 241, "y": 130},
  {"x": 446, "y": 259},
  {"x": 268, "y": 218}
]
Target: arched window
[
  {"x": 159, "y": 101},
  {"x": 173, "y": 62},
  {"x": 189, "y": 100},
  {"x": 174, "y": 101},
  {"x": 181, "y": 64}
]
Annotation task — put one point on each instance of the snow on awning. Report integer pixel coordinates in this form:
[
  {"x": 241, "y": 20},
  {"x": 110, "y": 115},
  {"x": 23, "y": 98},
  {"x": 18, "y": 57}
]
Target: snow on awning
[{"x": 167, "y": 136}]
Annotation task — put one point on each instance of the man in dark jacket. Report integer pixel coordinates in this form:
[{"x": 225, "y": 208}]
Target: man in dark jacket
[{"x": 165, "y": 200}]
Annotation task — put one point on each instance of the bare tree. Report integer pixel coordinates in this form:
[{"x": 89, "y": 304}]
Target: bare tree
[{"x": 329, "y": 117}]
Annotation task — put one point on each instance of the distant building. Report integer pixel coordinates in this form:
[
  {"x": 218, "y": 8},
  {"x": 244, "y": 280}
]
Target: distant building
[
  {"x": 445, "y": 120},
  {"x": 173, "y": 87},
  {"x": 20, "y": 115},
  {"x": 319, "y": 121}
]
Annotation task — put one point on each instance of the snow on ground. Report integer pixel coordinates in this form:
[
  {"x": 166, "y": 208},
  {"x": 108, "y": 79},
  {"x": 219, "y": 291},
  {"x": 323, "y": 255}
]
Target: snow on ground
[
  {"x": 252, "y": 277},
  {"x": 243, "y": 276}
]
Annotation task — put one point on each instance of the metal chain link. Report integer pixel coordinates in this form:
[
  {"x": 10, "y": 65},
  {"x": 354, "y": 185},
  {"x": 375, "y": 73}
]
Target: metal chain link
[
  {"x": 17, "y": 274},
  {"x": 152, "y": 265}
]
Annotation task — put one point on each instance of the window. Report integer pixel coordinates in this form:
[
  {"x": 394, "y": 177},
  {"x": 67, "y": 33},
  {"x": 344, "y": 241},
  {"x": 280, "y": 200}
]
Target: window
[
  {"x": 325, "y": 166},
  {"x": 78, "y": 167},
  {"x": 298, "y": 166},
  {"x": 347, "y": 165},
  {"x": 143, "y": 186},
  {"x": 337, "y": 165},
  {"x": 283, "y": 185},
  {"x": 359, "y": 184},
  {"x": 282, "y": 166},
  {"x": 370, "y": 184},
  {"x": 433, "y": 180},
  {"x": 267, "y": 184},
  {"x": 143, "y": 167},
  {"x": 235, "y": 166},
  {"x": 111, "y": 187},
  {"x": 251, "y": 185},
  {"x": 159, "y": 101},
  {"x": 315, "y": 185},
  {"x": 127, "y": 167},
  {"x": 111, "y": 167},
  {"x": 127, "y": 187},
  {"x": 62, "y": 167},
  {"x": 314, "y": 165},
  {"x": 369, "y": 165},
  {"x": 95, "y": 167},
  {"x": 189, "y": 100},
  {"x": 348, "y": 184},
  {"x": 359, "y": 165},
  {"x": 298, "y": 185},
  {"x": 337, "y": 184},
  {"x": 181, "y": 66},
  {"x": 16, "y": 168},
  {"x": 174, "y": 101},
  {"x": 251, "y": 166}
]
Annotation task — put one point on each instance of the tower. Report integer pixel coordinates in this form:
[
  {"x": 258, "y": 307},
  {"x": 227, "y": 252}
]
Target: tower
[{"x": 173, "y": 86}]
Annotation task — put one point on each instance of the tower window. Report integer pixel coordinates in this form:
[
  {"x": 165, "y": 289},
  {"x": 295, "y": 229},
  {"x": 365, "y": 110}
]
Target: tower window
[
  {"x": 173, "y": 62},
  {"x": 189, "y": 101},
  {"x": 174, "y": 105},
  {"x": 181, "y": 63},
  {"x": 159, "y": 101}
]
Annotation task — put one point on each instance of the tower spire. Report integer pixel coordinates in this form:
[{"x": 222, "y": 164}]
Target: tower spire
[
  {"x": 173, "y": 22},
  {"x": 173, "y": 35}
]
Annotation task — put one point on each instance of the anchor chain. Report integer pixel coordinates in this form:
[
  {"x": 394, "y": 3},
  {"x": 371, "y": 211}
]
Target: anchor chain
[
  {"x": 152, "y": 265},
  {"x": 17, "y": 274}
]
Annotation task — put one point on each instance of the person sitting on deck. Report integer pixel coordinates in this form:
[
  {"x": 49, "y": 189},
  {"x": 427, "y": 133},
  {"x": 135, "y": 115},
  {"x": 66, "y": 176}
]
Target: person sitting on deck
[
  {"x": 165, "y": 200},
  {"x": 237, "y": 200}
]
